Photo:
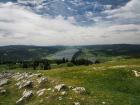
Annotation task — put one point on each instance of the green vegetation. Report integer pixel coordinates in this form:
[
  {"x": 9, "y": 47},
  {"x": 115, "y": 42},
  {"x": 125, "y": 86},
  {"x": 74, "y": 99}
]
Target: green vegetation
[{"x": 109, "y": 83}]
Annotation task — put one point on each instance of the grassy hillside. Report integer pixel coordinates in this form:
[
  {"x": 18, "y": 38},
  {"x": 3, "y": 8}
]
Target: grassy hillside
[{"x": 111, "y": 83}]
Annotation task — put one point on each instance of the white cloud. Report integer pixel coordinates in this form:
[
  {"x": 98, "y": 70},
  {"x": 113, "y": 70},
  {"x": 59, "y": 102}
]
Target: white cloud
[
  {"x": 130, "y": 11},
  {"x": 22, "y": 26}
]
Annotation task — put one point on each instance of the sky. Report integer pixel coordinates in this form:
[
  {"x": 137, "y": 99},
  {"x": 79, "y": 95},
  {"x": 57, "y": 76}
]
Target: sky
[{"x": 69, "y": 22}]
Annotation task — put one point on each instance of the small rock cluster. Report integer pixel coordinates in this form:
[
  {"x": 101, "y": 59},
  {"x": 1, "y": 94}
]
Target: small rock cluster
[
  {"x": 26, "y": 95},
  {"x": 32, "y": 83},
  {"x": 136, "y": 73}
]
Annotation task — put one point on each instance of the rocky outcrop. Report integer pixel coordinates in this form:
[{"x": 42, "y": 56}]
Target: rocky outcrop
[
  {"x": 61, "y": 87},
  {"x": 25, "y": 83},
  {"x": 26, "y": 95},
  {"x": 79, "y": 90},
  {"x": 37, "y": 83},
  {"x": 76, "y": 103},
  {"x": 136, "y": 73},
  {"x": 2, "y": 90},
  {"x": 3, "y": 82},
  {"x": 41, "y": 92},
  {"x": 42, "y": 80}
]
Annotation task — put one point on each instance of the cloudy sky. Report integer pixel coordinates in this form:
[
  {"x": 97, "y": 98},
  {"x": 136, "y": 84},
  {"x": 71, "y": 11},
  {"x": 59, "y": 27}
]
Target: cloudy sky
[{"x": 69, "y": 22}]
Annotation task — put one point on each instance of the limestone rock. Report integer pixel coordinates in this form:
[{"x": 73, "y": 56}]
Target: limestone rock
[
  {"x": 42, "y": 80},
  {"x": 26, "y": 95},
  {"x": 25, "y": 83},
  {"x": 79, "y": 90},
  {"x": 136, "y": 73},
  {"x": 41, "y": 92},
  {"x": 3, "y": 82},
  {"x": 2, "y": 90},
  {"x": 60, "y": 87},
  {"x": 76, "y": 103},
  {"x": 63, "y": 93}
]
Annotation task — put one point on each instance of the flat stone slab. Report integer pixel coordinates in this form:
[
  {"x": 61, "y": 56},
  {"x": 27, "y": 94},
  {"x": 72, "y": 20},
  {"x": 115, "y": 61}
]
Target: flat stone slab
[{"x": 3, "y": 82}]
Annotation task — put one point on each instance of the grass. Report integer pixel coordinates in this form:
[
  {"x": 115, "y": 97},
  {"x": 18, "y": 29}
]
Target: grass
[{"x": 110, "y": 82}]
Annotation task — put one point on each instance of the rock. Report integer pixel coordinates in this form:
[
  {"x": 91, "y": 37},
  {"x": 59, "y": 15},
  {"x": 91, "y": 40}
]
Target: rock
[
  {"x": 79, "y": 90},
  {"x": 41, "y": 92},
  {"x": 76, "y": 103},
  {"x": 103, "y": 103},
  {"x": 42, "y": 80},
  {"x": 2, "y": 91},
  {"x": 21, "y": 76},
  {"x": 63, "y": 93},
  {"x": 61, "y": 87},
  {"x": 70, "y": 87},
  {"x": 136, "y": 73},
  {"x": 3, "y": 82},
  {"x": 26, "y": 95},
  {"x": 49, "y": 89},
  {"x": 60, "y": 98},
  {"x": 25, "y": 83},
  {"x": 36, "y": 75}
]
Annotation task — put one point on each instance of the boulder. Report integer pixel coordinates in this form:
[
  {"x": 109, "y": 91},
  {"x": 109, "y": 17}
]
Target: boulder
[
  {"x": 49, "y": 89},
  {"x": 103, "y": 103},
  {"x": 25, "y": 83},
  {"x": 35, "y": 75},
  {"x": 63, "y": 93},
  {"x": 2, "y": 90},
  {"x": 60, "y": 87},
  {"x": 79, "y": 90},
  {"x": 59, "y": 98},
  {"x": 41, "y": 92},
  {"x": 70, "y": 87},
  {"x": 26, "y": 95},
  {"x": 3, "y": 82},
  {"x": 136, "y": 73},
  {"x": 76, "y": 103},
  {"x": 21, "y": 76},
  {"x": 42, "y": 80}
]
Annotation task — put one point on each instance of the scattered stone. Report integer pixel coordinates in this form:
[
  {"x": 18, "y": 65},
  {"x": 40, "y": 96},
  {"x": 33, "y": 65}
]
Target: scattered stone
[
  {"x": 76, "y": 103},
  {"x": 37, "y": 75},
  {"x": 49, "y": 89},
  {"x": 60, "y": 98},
  {"x": 25, "y": 84},
  {"x": 21, "y": 76},
  {"x": 41, "y": 92},
  {"x": 63, "y": 93},
  {"x": 26, "y": 95},
  {"x": 79, "y": 90},
  {"x": 3, "y": 82},
  {"x": 60, "y": 87},
  {"x": 3, "y": 91},
  {"x": 103, "y": 103},
  {"x": 53, "y": 90},
  {"x": 70, "y": 87},
  {"x": 136, "y": 73},
  {"x": 42, "y": 80}
]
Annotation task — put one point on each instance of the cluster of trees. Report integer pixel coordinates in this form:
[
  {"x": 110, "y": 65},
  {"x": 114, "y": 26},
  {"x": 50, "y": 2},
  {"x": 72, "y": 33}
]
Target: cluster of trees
[
  {"x": 42, "y": 64},
  {"x": 45, "y": 64}
]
